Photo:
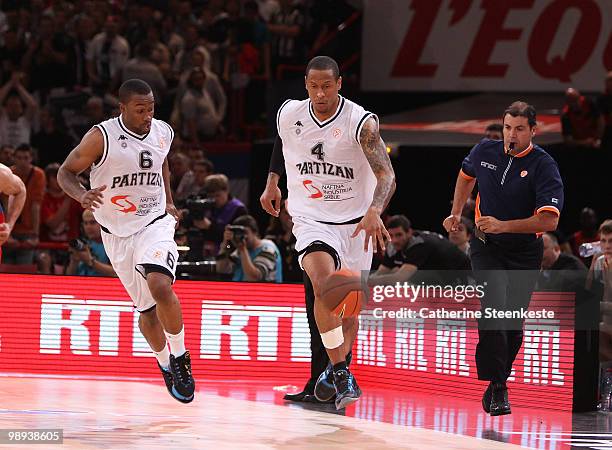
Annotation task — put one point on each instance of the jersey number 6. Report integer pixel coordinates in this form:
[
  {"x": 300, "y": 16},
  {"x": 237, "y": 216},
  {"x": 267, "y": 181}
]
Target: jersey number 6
[{"x": 145, "y": 160}]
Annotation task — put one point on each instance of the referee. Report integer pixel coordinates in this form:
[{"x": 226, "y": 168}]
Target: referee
[{"x": 520, "y": 196}]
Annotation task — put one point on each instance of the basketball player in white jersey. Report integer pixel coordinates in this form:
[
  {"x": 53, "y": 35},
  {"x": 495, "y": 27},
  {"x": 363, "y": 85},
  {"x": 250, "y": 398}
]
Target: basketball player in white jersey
[
  {"x": 131, "y": 200},
  {"x": 339, "y": 180}
]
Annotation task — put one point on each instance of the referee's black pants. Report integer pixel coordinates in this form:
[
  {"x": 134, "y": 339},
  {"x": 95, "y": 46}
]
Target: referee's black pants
[
  {"x": 510, "y": 273},
  {"x": 319, "y": 358}
]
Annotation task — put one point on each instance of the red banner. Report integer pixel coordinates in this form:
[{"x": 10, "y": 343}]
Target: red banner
[
  {"x": 238, "y": 331},
  {"x": 480, "y": 45}
]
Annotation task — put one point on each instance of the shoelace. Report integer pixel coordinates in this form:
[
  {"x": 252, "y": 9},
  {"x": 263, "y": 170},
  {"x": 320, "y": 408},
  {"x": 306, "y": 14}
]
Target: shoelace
[
  {"x": 346, "y": 381},
  {"x": 179, "y": 369}
]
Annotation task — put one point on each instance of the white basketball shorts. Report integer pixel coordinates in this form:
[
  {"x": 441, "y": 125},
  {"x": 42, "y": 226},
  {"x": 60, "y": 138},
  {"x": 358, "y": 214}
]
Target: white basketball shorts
[
  {"x": 154, "y": 244},
  {"x": 350, "y": 250}
]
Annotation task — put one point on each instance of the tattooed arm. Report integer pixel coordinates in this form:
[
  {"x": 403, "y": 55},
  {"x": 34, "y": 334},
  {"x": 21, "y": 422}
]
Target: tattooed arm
[{"x": 376, "y": 153}]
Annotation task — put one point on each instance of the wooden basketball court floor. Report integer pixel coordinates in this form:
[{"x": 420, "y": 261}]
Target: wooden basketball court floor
[{"x": 108, "y": 414}]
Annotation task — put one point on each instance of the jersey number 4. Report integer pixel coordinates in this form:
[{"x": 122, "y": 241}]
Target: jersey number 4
[
  {"x": 144, "y": 160},
  {"x": 318, "y": 151}
]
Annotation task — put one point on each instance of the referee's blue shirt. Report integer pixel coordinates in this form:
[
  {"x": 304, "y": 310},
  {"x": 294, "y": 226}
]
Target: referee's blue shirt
[{"x": 513, "y": 187}]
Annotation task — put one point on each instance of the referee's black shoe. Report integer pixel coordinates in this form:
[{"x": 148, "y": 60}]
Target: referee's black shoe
[
  {"x": 486, "y": 398},
  {"x": 499, "y": 400}
]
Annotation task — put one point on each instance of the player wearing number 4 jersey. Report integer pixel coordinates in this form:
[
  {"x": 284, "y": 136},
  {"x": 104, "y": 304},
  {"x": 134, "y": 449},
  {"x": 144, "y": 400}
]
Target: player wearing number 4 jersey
[
  {"x": 339, "y": 180},
  {"x": 131, "y": 200}
]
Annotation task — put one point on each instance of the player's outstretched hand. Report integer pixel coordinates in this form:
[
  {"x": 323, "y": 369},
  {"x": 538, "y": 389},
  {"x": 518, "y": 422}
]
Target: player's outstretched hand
[
  {"x": 92, "y": 199},
  {"x": 451, "y": 223},
  {"x": 374, "y": 229},
  {"x": 271, "y": 200}
]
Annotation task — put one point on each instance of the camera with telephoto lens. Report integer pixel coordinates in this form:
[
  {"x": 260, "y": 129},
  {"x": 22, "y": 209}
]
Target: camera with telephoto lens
[
  {"x": 197, "y": 207},
  {"x": 77, "y": 244},
  {"x": 239, "y": 233}
]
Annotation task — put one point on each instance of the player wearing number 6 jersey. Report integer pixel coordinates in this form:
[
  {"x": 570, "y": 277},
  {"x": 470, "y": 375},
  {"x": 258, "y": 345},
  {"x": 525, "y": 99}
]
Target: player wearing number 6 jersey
[
  {"x": 131, "y": 200},
  {"x": 339, "y": 180}
]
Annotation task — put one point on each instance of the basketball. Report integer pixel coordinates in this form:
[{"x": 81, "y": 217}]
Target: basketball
[{"x": 343, "y": 293}]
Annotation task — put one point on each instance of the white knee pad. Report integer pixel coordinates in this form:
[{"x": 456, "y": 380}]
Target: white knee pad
[{"x": 333, "y": 338}]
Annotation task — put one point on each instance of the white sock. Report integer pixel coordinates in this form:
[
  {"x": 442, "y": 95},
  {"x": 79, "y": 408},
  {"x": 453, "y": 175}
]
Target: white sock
[
  {"x": 163, "y": 356},
  {"x": 177, "y": 342}
]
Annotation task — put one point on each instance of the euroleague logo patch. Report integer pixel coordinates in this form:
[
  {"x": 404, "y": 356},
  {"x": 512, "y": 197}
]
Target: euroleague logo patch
[{"x": 524, "y": 173}]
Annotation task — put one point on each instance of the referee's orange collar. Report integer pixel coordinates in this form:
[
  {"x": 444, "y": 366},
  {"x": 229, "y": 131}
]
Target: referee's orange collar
[{"x": 525, "y": 152}]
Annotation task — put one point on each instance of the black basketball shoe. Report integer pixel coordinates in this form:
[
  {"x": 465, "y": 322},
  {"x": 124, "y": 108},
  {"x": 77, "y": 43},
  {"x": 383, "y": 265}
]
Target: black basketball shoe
[
  {"x": 499, "y": 400},
  {"x": 170, "y": 384},
  {"x": 347, "y": 390},
  {"x": 324, "y": 389},
  {"x": 183, "y": 383}
]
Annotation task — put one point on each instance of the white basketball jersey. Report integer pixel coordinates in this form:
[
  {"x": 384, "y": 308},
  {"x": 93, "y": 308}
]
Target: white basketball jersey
[
  {"x": 131, "y": 169},
  {"x": 329, "y": 178}
]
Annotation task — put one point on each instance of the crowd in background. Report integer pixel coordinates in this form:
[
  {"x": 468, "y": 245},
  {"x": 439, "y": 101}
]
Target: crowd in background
[{"x": 208, "y": 63}]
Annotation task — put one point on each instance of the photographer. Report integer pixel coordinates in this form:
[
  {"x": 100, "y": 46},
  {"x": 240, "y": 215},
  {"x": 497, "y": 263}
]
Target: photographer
[
  {"x": 208, "y": 217},
  {"x": 87, "y": 256},
  {"x": 247, "y": 256}
]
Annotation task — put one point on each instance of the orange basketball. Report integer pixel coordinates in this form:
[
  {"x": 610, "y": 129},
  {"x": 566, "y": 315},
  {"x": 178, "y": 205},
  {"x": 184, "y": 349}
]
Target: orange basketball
[{"x": 343, "y": 293}]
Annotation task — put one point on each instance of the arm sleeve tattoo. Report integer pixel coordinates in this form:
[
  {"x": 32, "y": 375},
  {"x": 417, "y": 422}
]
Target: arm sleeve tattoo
[{"x": 375, "y": 151}]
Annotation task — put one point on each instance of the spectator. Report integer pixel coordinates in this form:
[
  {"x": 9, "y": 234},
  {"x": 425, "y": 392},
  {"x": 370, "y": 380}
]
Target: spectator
[
  {"x": 182, "y": 60},
  {"x": 494, "y": 132},
  {"x": 85, "y": 30},
  {"x": 92, "y": 113},
  {"x": 560, "y": 272},
  {"x": 212, "y": 83},
  {"x": 253, "y": 259},
  {"x": 287, "y": 27},
  {"x": 143, "y": 67},
  {"x": 181, "y": 176},
  {"x": 170, "y": 37},
  {"x": 604, "y": 103},
  {"x": 15, "y": 123},
  {"x": 211, "y": 227},
  {"x": 107, "y": 54},
  {"x": 202, "y": 169},
  {"x": 47, "y": 59},
  {"x": 87, "y": 255},
  {"x": 160, "y": 54},
  {"x": 60, "y": 220},
  {"x": 11, "y": 53},
  {"x": 599, "y": 282},
  {"x": 581, "y": 122},
  {"x": 411, "y": 251},
  {"x": 587, "y": 233},
  {"x": 7, "y": 155},
  {"x": 60, "y": 214},
  {"x": 280, "y": 232},
  {"x": 600, "y": 272},
  {"x": 462, "y": 235},
  {"x": 26, "y": 233},
  {"x": 52, "y": 142},
  {"x": 268, "y": 8},
  {"x": 199, "y": 115}
]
